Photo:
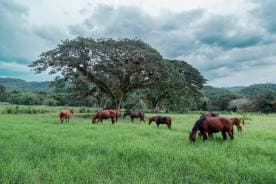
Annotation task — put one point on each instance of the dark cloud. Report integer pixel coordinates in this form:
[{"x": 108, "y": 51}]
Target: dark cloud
[
  {"x": 21, "y": 42},
  {"x": 228, "y": 32},
  {"x": 213, "y": 43},
  {"x": 168, "y": 33}
]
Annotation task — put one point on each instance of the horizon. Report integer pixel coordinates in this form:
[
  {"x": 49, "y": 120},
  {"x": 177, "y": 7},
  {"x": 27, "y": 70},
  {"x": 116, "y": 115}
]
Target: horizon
[
  {"x": 230, "y": 45},
  {"x": 225, "y": 87}
]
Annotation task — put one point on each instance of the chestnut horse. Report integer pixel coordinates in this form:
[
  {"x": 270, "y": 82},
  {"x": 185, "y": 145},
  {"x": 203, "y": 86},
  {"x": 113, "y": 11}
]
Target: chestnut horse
[
  {"x": 65, "y": 115},
  {"x": 210, "y": 125},
  {"x": 238, "y": 122},
  {"x": 161, "y": 120},
  {"x": 133, "y": 115},
  {"x": 207, "y": 114},
  {"x": 105, "y": 114}
]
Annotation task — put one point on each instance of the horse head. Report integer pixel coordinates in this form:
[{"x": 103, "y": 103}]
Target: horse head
[
  {"x": 71, "y": 111},
  {"x": 94, "y": 119},
  {"x": 192, "y": 136}
]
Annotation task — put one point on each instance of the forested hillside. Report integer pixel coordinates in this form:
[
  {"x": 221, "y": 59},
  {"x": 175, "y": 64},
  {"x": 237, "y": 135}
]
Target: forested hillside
[
  {"x": 12, "y": 84},
  {"x": 257, "y": 97}
]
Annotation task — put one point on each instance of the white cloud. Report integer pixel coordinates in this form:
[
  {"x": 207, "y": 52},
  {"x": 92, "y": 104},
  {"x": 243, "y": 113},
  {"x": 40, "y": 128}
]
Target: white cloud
[{"x": 226, "y": 40}]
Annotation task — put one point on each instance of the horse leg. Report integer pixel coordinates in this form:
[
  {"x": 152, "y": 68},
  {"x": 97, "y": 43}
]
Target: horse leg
[
  {"x": 210, "y": 135},
  {"x": 157, "y": 125},
  {"x": 131, "y": 119},
  {"x": 231, "y": 133},
  {"x": 205, "y": 136},
  {"x": 169, "y": 125},
  {"x": 224, "y": 134},
  {"x": 113, "y": 120},
  {"x": 240, "y": 129}
]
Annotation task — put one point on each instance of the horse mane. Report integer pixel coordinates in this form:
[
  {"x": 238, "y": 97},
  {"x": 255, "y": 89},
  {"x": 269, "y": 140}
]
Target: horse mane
[{"x": 198, "y": 123}]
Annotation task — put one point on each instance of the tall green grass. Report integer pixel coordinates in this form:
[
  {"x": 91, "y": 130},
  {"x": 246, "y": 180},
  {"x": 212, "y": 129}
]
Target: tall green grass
[{"x": 38, "y": 149}]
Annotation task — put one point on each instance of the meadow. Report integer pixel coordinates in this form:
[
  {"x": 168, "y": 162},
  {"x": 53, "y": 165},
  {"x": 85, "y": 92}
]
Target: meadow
[{"x": 36, "y": 148}]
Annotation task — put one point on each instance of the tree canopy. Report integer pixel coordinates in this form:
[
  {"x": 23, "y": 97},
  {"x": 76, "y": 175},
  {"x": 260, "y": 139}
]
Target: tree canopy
[{"x": 115, "y": 67}]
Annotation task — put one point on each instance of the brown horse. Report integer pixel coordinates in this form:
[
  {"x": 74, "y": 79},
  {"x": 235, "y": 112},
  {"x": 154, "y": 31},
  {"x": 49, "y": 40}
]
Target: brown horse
[
  {"x": 238, "y": 122},
  {"x": 207, "y": 114},
  {"x": 65, "y": 115},
  {"x": 133, "y": 115},
  {"x": 210, "y": 125},
  {"x": 161, "y": 120},
  {"x": 105, "y": 114}
]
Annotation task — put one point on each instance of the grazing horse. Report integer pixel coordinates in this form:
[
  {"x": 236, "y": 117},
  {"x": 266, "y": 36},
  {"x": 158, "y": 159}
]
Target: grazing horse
[
  {"x": 105, "y": 114},
  {"x": 210, "y": 125},
  {"x": 133, "y": 115},
  {"x": 238, "y": 122},
  {"x": 207, "y": 114},
  {"x": 65, "y": 115},
  {"x": 161, "y": 120}
]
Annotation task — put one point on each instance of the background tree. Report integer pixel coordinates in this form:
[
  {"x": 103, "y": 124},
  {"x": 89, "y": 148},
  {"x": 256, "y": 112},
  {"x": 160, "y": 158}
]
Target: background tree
[
  {"x": 178, "y": 80},
  {"x": 116, "y": 67},
  {"x": 3, "y": 93}
]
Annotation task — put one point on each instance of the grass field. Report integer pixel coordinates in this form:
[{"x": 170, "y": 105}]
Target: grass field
[{"x": 35, "y": 148}]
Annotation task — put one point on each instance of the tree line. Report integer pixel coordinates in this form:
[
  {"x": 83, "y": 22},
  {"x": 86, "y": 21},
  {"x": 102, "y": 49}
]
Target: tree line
[{"x": 130, "y": 74}]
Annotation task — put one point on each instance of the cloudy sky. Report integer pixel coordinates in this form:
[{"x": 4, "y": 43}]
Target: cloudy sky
[{"x": 231, "y": 42}]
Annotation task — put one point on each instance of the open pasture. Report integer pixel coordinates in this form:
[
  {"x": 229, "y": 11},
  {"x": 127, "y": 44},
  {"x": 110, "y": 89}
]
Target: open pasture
[{"x": 36, "y": 148}]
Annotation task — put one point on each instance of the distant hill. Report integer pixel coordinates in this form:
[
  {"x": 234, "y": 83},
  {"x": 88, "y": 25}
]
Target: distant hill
[
  {"x": 21, "y": 85},
  {"x": 242, "y": 90},
  {"x": 259, "y": 88},
  {"x": 235, "y": 88}
]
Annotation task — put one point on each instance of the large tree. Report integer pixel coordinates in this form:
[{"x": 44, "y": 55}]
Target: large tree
[
  {"x": 115, "y": 67},
  {"x": 179, "y": 79}
]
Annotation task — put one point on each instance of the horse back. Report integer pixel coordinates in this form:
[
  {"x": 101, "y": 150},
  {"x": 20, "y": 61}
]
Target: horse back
[{"x": 213, "y": 124}]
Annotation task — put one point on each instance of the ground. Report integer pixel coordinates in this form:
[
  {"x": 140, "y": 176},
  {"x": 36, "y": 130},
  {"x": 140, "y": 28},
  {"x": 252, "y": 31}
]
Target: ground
[{"x": 36, "y": 148}]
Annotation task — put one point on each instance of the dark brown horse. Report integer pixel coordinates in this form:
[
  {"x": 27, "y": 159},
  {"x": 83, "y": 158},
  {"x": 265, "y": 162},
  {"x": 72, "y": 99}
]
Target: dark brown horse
[
  {"x": 207, "y": 114},
  {"x": 65, "y": 115},
  {"x": 238, "y": 122},
  {"x": 105, "y": 114},
  {"x": 161, "y": 120},
  {"x": 210, "y": 125},
  {"x": 133, "y": 115}
]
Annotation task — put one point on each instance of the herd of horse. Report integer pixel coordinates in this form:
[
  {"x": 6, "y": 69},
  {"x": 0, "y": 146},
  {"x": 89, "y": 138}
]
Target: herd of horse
[{"x": 207, "y": 124}]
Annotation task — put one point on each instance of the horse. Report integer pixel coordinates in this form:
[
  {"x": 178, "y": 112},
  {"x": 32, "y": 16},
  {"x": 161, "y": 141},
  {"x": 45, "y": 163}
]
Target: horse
[
  {"x": 238, "y": 122},
  {"x": 207, "y": 114},
  {"x": 105, "y": 114},
  {"x": 65, "y": 115},
  {"x": 133, "y": 115},
  {"x": 114, "y": 109},
  {"x": 161, "y": 120},
  {"x": 209, "y": 125}
]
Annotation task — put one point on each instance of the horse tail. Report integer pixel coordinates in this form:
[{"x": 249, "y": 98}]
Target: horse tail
[
  {"x": 61, "y": 114},
  {"x": 242, "y": 119}
]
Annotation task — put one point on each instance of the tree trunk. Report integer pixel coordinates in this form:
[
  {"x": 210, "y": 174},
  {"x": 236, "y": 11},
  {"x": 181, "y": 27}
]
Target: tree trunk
[{"x": 153, "y": 107}]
